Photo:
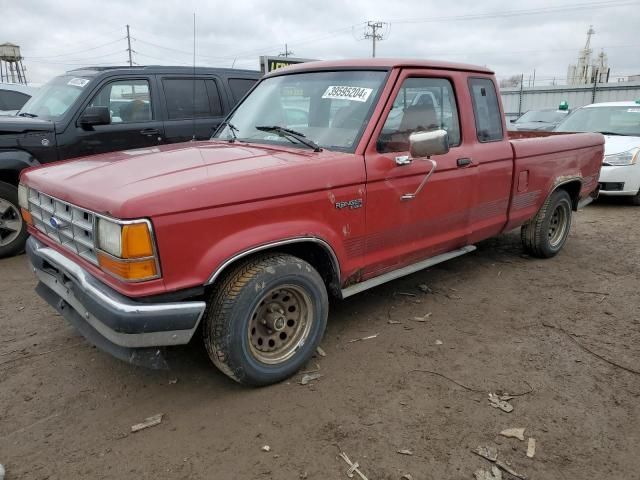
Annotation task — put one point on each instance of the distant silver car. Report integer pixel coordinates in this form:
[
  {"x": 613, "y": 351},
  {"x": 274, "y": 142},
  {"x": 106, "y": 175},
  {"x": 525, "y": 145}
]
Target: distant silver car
[{"x": 13, "y": 96}]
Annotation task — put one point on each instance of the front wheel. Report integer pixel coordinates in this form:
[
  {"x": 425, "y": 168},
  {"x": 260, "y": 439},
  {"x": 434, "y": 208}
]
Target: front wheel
[
  {"x": 265, "y": 319},
  {"x": 545, "y": 235},
  {"x": 13, "y": 231}
]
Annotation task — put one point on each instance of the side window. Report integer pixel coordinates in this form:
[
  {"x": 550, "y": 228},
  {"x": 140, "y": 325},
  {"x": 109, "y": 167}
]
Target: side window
[
  {"x": 12, "y": 100},
  {"x": 214, "y": 98},
  {"x": 422, "y": 104},
  {"x": 129, "y": 101},
  {"x": 240, "y": 86},
  {"x": 486, "y": 109},
  {"x": 179, "y": 94}
]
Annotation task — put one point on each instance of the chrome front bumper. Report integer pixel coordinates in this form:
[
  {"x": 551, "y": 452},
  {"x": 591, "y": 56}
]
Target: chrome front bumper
[{"x": 128, "y": 329}]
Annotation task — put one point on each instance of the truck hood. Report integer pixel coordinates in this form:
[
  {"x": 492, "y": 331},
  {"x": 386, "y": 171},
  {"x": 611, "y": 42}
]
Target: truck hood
[
  {"x": 617, "y": 144},
  {"x": 189, "y": 176},
  {"x": 13, "y": 124}
]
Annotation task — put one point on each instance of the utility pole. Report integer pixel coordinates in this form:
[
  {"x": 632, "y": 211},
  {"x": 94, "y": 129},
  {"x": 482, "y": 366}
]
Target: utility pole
[
  {"x": 286, "y": 52},
  {"x": 129, "y": 47},
  {"x": 374, "y": 35}
]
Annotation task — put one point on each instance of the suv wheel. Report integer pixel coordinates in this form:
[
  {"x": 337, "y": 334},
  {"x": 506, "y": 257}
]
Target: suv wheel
[
  {"x": 13, "y": 231},
  {"x": 265, "y": 319}
]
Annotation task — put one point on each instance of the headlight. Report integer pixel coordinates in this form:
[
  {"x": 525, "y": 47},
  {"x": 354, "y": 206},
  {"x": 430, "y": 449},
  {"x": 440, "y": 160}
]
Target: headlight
[
  {"x": 625, "y": 158},
  {"x": 23, "y": 196},
  {"x": 126, "y": 249}
]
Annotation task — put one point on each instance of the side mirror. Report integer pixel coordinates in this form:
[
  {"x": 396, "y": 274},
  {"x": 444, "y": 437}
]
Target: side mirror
[
  {"x": 95, "y": 116},
  {"x": 426, "y": 144}
]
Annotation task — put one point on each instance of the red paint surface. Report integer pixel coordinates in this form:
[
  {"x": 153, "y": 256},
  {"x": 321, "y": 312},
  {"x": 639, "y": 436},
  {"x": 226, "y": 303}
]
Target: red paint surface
[{"x": 211, "y": 200}]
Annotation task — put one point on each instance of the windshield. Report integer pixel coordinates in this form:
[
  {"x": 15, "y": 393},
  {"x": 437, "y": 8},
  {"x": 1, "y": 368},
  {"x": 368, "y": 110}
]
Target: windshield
[
  {"x": 328, "y": 108},
  {"x": 54, "y": 99},
  {"x": 612, "y": 120},
  {"x": 546, "y": 116}
]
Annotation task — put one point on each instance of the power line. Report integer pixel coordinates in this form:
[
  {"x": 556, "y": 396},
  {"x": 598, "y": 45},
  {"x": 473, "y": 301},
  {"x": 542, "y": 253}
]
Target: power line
[
  {"x": 80, "y": 51},
  {"x": 513, "y": 13}
]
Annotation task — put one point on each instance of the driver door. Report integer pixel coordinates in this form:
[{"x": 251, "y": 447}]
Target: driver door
[
  {"x": 134, "y": 120},
  {"x": 403, "y": 231}
]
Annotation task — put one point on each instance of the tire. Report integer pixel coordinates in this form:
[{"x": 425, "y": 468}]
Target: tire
[
  {"x": 265, "y": 319},
  {"x": 545, "y": 235},
  {"x": 13, "y": 231},
  {"x": 635, "y": 200}
]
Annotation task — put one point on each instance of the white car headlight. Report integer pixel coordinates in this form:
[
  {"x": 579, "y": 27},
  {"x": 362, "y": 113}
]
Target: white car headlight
[
  {"x": 23, "y": 196},
  {"x": 110, "y": 237},
  {"x": 625, "y": 158}
]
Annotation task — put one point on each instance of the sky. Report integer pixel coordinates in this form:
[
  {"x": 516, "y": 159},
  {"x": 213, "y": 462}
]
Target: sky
[{"x": 509, "y": 37}]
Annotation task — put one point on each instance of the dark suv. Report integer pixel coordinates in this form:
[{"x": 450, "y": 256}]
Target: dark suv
[{"x": 102, "y": 109}]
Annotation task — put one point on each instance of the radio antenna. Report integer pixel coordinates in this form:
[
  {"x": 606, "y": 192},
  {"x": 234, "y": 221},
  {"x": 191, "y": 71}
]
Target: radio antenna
[{"x": 193, "y": 113}]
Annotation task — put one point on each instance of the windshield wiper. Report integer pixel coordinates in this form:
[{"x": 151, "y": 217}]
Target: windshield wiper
[
  {"x": 27, "y": 114},
  {"x": 232, "y": 128},
  {"x": 612, "y": 133},
  {"x": 288, "y": 133}
]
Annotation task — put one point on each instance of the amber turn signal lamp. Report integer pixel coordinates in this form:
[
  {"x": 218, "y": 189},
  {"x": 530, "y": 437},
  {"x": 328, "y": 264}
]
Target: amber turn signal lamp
[
  {"x": 26, "y": 216},
  {"x": 128, "y": 270},
  {"x": 136, "y": 241}
]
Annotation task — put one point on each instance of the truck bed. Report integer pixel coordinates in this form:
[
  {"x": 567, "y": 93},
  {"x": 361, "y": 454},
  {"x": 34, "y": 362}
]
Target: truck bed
[{"x": 543, "y": 160}]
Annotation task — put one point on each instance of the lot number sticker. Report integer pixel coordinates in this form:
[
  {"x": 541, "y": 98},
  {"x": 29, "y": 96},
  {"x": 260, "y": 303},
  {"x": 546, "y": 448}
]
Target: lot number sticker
[
  {"x": 356, "y": 94},
  {"x": 78, "y": 82}
]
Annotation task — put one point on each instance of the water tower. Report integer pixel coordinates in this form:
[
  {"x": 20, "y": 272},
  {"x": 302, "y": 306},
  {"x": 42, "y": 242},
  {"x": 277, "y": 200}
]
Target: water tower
[{"x": 11, "y": 68}]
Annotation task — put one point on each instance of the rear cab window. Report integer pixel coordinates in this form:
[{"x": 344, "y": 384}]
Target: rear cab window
[{"x": 486, "y": 110}]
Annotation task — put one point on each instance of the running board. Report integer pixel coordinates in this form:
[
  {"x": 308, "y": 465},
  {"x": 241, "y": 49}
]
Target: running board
[{"x": 401, "y": 272}]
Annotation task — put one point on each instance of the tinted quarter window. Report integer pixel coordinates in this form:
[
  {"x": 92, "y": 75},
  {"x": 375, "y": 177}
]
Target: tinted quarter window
[
  {"x": 421, "y": 105},
  {"x": 12, "y": 100},
  {"x": 183, "y": 102},
  {"x": 240, "y": 86},
  {"x": 129, "y": 101},
  {"x": 486, "y": 109}
]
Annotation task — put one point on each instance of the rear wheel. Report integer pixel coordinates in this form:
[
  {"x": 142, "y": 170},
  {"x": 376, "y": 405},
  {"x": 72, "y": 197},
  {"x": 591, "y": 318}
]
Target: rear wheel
[
  {"x": 265, "y": 319},
  {"x": 13, "y": 231},
  {"x": 545, "y": 235}
]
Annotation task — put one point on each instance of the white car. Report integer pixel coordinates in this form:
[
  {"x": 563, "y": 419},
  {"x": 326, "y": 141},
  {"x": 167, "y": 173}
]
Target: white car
[
  {"x": 619, "y": 122},
  {"x": 13, "y": 96}
]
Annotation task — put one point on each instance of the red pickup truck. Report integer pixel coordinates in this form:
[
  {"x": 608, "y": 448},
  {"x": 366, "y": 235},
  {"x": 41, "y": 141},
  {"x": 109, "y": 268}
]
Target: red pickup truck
[{"x": 328, "y": 178}]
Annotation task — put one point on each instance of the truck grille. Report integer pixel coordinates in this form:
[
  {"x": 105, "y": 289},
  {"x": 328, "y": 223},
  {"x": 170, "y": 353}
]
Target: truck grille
[{"x": 66, "y": 224}]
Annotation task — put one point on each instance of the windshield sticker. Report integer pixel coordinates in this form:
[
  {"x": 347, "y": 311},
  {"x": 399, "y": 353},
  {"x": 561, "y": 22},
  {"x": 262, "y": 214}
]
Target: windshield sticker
[
  {"x": 633, "y": 110},
  {"x": 356, "y": 94},
  {"x": 78, "y": 82}
]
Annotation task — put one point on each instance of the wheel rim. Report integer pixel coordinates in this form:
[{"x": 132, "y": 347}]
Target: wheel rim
[
  {"x": 280, "y": 324},
  {"x": 10, "y": 222},
  {"x": 558, "y": 225}
]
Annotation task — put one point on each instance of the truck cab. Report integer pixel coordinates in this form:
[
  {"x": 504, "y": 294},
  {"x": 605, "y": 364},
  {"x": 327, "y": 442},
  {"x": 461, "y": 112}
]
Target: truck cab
[{"x": 104, "y": 109}]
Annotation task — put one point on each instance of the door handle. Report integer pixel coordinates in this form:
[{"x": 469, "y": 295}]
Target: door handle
[
  {"x": 411, "y": 196},
  {"x": 464, "y": 162},
  {"x": 150, "y": 131}
]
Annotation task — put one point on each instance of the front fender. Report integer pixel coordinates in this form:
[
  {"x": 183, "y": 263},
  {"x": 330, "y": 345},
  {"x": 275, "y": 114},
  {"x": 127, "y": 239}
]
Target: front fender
[{"x": 13, "y": 162}]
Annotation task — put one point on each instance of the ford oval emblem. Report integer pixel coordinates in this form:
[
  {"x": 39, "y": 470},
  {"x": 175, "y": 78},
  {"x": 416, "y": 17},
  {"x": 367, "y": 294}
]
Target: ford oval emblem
[{"x": 55, "y": 223}]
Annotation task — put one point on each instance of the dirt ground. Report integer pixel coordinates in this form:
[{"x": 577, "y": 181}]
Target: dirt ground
[{"x": 507, "y": 323}]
